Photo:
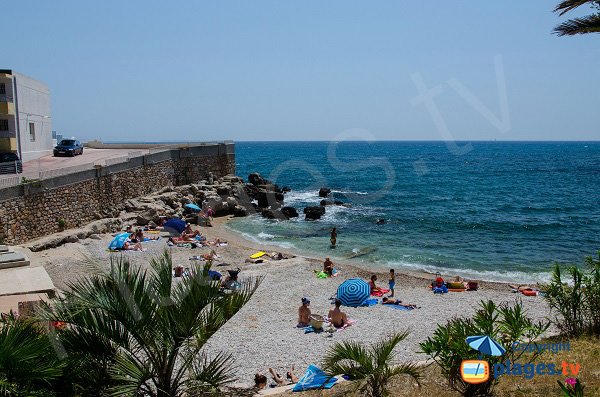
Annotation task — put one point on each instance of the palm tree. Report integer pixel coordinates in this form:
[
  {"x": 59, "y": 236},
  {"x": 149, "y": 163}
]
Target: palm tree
[
  {"x": 371, "y": 366},
  {"x": 28, "y": 361},
  {"x": 134, "y": 332},
  {"x": 587, "y": 24}
]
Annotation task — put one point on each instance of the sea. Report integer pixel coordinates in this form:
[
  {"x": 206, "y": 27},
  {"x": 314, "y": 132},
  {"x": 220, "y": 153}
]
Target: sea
[{"x": 500, "y": 211}]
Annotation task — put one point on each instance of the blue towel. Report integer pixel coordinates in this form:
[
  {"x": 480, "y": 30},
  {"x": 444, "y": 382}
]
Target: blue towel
[
  {"x": 370, "y": 302},
  {"x": 398, "y": 307}
]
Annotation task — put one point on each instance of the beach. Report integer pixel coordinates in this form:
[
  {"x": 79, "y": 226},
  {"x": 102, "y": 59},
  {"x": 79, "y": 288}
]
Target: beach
[{"x": 263, "y": 333}]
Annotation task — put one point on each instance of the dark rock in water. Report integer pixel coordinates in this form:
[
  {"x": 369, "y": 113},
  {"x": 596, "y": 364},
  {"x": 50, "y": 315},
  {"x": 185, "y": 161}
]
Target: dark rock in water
[
  {"x": 338, "y": 202},
  {"x": 324, "y": 192},
  {"x": 285, "y": 189},
  {"x": 326, "y": 202},
  {"x": 265, "y": 198},
  {"x": 273, "y": 214},
  {"x": 313, "y": 213},
  {"x": 380, "y": 221},
  {"x": 290, "y": 212},
  {"x": 256, "y": 179}
]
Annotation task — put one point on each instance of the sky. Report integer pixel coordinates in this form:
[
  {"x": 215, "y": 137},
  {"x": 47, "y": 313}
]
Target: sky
[{"x": 312, "y": 70}]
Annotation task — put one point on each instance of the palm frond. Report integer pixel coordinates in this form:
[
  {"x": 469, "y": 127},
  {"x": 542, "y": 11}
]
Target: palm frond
[
  {"x": 349, "y": 358},
  {"x": 569, "y": 5},
  {"x": 210, "y": 374},
  {"x": 383, "y": 351},
  {"x": 404, "y": 369},
  {"x": 587, "y": 24}
]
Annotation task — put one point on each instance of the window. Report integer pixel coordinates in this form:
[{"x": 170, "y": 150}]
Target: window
[
  {"x": 32, "y": 132},
  {"x": 2, "y": 89},
  {"x": 3, "y": 125}
]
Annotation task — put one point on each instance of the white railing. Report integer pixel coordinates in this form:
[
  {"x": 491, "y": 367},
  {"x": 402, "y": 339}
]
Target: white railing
[{"x": 9, "y": 181}]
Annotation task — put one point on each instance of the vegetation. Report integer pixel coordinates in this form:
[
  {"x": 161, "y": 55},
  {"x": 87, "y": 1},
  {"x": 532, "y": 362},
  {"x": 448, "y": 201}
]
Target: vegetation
[
  {"x": 505, "y": 324},
  {"x": 371, "y": 367},
  {"x": 62, "y": 224},
  {"x": 131, "y": 332},
  {"x": 28, "y": 361},
  {"x": 576, "y": 300},
  {"x": 582, "y": 25}
]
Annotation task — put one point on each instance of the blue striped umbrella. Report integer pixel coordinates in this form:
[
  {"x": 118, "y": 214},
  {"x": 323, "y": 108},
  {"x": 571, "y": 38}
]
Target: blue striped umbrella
[
  {"x": 485, "y": 345},
  {"x": 353, "y": 292}
]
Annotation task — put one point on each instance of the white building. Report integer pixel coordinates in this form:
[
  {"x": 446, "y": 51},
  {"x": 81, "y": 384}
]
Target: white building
[{"x": 25, "y": 118}]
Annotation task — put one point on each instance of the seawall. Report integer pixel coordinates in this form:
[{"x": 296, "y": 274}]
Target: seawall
[{"x": 41, "y": 207}]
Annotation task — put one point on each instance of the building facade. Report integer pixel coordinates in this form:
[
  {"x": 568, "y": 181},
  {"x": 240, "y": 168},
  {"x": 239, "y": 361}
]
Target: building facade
[{"x": 25, "y": 118}]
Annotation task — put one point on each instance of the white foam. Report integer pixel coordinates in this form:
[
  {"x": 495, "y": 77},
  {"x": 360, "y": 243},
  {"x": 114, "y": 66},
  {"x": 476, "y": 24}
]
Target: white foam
[{"x": 267, "y": 236}]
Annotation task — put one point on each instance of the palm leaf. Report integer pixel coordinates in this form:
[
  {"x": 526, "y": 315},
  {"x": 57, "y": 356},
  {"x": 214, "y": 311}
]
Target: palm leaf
[
  {"x": 587, "y": 24},
  {"x": 569, "y": 5},
  {"x": 383, "y": 351}
]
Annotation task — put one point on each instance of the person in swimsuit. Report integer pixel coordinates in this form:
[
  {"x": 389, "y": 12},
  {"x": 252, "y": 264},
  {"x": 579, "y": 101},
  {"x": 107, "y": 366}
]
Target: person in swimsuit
[
  {"x": 333, "y": 237},
  {"x": 337, "y": 317}
]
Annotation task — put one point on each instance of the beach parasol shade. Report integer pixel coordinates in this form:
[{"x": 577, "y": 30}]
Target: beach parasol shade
[
  {"x": 193, "y": 207},
  {"x": 485, "y": 345},
  {"x": 118, "y": 242},
  {"x": 353, "y": 292},
  {"x": 174, "y": 224}
]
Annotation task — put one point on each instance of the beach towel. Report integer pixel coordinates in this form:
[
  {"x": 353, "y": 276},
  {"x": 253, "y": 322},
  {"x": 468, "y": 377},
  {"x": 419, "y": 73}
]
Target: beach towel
[
  {"x": 310, "y": 329},
  {"x": 370, "y": 302},
  {"x": 314, "y": 378},
  {"x": 399, "y": 307},
  {"x": 380, "y": 292},
  {"x": 321, "y": 274},
  {"x": 440, "y": 290}
]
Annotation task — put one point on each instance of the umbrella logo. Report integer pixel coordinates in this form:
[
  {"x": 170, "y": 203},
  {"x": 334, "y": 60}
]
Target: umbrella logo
[{"x": 478, "y": 371}]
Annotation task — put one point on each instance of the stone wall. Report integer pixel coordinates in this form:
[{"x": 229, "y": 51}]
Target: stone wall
[{"x": 40, "y": 208}]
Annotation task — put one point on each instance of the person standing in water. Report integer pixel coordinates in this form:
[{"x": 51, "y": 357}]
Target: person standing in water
[{"x": 333, "y": 237}]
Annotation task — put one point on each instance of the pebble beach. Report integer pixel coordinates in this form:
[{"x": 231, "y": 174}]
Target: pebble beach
[{"x": 263, "y": 333}]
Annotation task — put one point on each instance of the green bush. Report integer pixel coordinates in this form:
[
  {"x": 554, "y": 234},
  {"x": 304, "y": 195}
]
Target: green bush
[
  {"x": 505, "y": 324},
  {"x": 576, "y": 298}
]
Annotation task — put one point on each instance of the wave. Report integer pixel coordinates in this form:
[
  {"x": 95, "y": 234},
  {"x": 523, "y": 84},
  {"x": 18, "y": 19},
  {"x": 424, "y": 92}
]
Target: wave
[{"x": 349, "y": 193}]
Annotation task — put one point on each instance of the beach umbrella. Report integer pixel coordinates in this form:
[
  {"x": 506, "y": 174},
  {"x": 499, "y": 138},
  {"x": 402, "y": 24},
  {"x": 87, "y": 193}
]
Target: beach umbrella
[
  {"x": 118, "y": 242},
  {"x": 174, "y": 224},
  {"x": 353, "y": 292},
  {"x": 193, "y": 207},
  {"x": 486, "y": 345}
]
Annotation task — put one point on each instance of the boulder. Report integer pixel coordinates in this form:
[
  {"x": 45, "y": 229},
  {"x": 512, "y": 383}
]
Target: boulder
[
  {"x": 256, "y": 179},
  {"x": 266, "y": 198},
  {"x": 326, "y": 202},
  {"x": 95, "y": 237},
  {"x": 313, "y": 213},
  {"x": 72, "y": 238},
  {"x": 324, "y": 192},
  {"x": 150, "y": 215},
  {"x": 223, "y": 190},
  {"x": 239, "y": 211},
  {"x": 290, "y": 212},
  {"x": 273, "y": 214}
]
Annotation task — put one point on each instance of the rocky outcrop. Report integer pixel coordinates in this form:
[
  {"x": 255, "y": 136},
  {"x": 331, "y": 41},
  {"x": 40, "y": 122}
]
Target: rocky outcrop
[
  {"x": 290, "y": 212},
  {"x": 314, "y": 213},
  {"x": 324, "y": 192},
  {"x": 109, "y": 225}
]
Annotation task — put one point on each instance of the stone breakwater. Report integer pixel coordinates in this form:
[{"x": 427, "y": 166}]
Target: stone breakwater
[{"x": 41, "y": 208}]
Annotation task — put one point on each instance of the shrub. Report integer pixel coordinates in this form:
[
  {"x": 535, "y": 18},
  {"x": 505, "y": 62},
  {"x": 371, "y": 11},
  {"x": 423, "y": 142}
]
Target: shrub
[
  {"x": 576, "y": 298},
  {"x": 505, "y": 324}
]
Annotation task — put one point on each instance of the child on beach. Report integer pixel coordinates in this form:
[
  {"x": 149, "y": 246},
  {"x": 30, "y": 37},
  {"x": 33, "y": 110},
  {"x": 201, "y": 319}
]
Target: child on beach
[
  {"x": 304, "y": 313},
  {"x": 375, "y": 290},
  {"x": 392, "y": 282},
  {"x": 333, "y": 238}
]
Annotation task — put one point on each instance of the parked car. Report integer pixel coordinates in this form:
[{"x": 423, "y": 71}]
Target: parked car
[
  {"x": 68, "y": 147},
  {"x": 10, "y": 163}
]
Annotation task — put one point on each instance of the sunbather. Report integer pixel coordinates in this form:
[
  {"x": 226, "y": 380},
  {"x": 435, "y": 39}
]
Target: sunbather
[
  {"x": 189, "y": 234},
  {"x": 131, "y": 246},
  {"x": 231, "y": 281},
  {"x": 337, "y": 317},
  {"x": 304, "y": 313},
  {"x": 398, "y": 302},
  {"x": 291, "y": 378},
  {"x": 328, "y": 267}
]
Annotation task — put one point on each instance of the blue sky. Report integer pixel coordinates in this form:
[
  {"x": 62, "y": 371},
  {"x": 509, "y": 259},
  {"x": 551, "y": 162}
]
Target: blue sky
[{"x": 312, "y": 70}]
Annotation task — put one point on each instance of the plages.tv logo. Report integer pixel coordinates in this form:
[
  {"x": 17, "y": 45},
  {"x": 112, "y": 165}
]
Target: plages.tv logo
[{"x": 478, "y": 371}]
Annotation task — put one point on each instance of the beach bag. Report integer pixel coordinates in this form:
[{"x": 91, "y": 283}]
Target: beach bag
[{"x": 316, "y": 321}]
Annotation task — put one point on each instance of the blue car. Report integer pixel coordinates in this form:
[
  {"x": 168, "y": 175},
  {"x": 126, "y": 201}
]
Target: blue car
[{"x": 68, "y": 147}]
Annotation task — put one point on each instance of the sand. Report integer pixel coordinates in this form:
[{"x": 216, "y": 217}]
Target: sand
[{"x": 263, "y": 333}]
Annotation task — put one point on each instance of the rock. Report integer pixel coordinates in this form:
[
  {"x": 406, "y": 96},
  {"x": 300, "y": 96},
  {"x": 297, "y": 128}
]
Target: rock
[
  {"x": 132, "y": 205},
  {"x": 72, "y": 238},
  {"x": 290, "y": 212},
  {"x": 151, "y": 215},
  {"x": 326, "y": 202},
  {"x": 338, "y": 202},
  {"x": 273, "y": 214},
  {"x": 324, "y": 192},
  {"x": 256, "y": 179},
  {"x": 313, "y": 213},
  {"x": 231, "y": 202},
  {"x": 239, "y": 211},
  {"x": 223, "y": 190},
  {"x": 265, "y": 198},
  {"x": 95, "y": 237}
]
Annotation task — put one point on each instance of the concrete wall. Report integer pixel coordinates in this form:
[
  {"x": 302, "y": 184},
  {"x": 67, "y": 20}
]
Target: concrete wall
[
  {"x": 33, "y": 106},
  {"x": 33, "y": 210}
]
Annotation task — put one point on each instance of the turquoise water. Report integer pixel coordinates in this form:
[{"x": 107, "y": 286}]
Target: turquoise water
[{"x": 502, "y": 211}]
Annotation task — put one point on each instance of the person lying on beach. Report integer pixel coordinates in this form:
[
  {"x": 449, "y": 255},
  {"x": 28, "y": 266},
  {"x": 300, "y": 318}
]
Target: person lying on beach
[
  {"x": 398, "y": 302},
  {"x": 260, "y": 381},
  {"x": 231, "y": 281},
  {"x": 337, "y": 317},
  {"x": 279, "y": 379},
  {"x": 131, "y": 246},
  {"x": 212, "y": 255},
  {"x": 304, "y": 313},
  {"x": 139, "y": 236},
  {"x": 190, "y": 234}
]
